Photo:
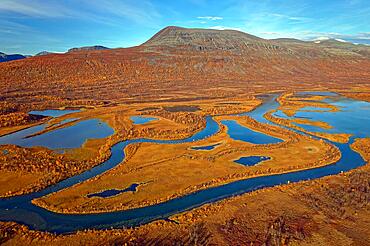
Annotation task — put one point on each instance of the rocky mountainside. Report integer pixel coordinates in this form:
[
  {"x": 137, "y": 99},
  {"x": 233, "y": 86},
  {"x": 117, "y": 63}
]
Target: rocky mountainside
[{"x": 4, "y": 57}]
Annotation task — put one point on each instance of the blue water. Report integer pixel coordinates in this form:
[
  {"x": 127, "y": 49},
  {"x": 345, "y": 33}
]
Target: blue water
[
  {"x": 54, "y": 112},
  {"x": 239, "y": 132},
  {"x": 20, "y": 208},
  {"x": 352, "y": 117},
  {"x": 317, "y": 93},
  {"x": 208, "y": 147},
  {"x": 114, "y": 192},
  {"x": 138, "y": 120},
  {"x": 63, "y": 138},
  {"x": 310, "y": 108},
  {"x": 251, "y": 160},
  {"x": 65, "y": 121}
]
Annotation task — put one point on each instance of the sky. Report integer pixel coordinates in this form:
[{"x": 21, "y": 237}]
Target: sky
[{"x": 31, "y": 26}]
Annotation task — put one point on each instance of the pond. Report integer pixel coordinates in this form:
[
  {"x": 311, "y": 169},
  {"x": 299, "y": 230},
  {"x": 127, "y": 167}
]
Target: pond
[
  {"x": 251, "y": 160},
  {"x": 208, "y": 147},
  {"x": 54, "y": 112},
  {"x": 68, "y": 137},
  {"x": 138, "y": 120},
  {"x": 242, "y": 133},
  {"x": 352, "y": 117},
  {"x": 62, "y": 138},
  {"x": 114, "y": 192}
]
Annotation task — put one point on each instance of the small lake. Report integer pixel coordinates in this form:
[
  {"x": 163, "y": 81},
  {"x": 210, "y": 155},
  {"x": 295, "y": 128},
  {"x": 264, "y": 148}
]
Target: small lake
[
  {"x": 208, "y": 147},
  {"x": 62, "y": 138},
  {"x": 114, "y": 192},
  {"x": 351, "y": 117},
  {"x": 251, "y": 160},
  {"x": 242, "y": 133},
  {"x": 317, "y": 93},
  {"x": 54, "y": 112},
  {"x": 65, "y": 121},
  {"x": 139, "y": 120}
]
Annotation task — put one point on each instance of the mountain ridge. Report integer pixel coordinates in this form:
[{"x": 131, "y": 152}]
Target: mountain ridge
[{"x": 10, "y": 57}]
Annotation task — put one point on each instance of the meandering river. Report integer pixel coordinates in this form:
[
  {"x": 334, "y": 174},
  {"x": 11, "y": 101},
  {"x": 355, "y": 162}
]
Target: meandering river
[{"x": 20, "y": 208}]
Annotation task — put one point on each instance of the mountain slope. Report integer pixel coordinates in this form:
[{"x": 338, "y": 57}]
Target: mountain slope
[
  {"x": 179, "y": 63},
  {"x": 202, "y": 39}
]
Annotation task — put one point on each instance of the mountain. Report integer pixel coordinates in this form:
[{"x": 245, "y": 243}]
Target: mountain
[
  {"x": 88, "y": 48},
  {"x": 178, "y": 38},
  {"x": 180, "y": 63},
  {"x": 4, "y": 57},
  {"x": 43, "y": 53},
  {"x": 202, "y": 39}
]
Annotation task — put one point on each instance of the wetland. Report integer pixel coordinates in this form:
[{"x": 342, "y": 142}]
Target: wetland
[{"x": 50, "y": 209}]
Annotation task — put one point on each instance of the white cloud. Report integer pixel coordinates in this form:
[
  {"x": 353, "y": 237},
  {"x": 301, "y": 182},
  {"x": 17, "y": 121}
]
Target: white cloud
[
  {"x": 288, "y": 17},
  {"x": 34, "y": 8},
  {"x": 225, "y": 28},
  {"x": 341, "y": 40},
  {"x": 212, "y": 18},
  {"x": 142, "y": 12},
  {"x": 109, "y": 12},
  {"x": 321, "y": 38}
]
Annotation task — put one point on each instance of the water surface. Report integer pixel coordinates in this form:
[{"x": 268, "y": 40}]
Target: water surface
[
  {"x": 54, "y": 112},
  {"x": 251, "y": 160},
  {"x": 114, "y": 192},
  {"x": 208, "y": 147},
  {"x": 62, "y": 138},
  {"x": 138, "y": 120},
  {"x": 239, "y": 132}
]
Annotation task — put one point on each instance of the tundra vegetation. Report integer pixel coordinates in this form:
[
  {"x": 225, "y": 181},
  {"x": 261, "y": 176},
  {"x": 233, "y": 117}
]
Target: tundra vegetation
[{"x": 179, "y": 77}]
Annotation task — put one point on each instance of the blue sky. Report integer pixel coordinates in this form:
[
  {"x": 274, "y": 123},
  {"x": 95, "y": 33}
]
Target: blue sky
[{"x": 31, "y": 26}]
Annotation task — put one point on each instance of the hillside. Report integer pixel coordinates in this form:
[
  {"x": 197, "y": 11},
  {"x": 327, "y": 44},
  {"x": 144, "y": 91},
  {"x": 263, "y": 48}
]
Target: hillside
[{"x": 179, "y": 64}]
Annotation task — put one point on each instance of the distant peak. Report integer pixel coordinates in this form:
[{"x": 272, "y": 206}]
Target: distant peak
[
  {"x": 43, "y": 53},
  {"x": 6, "y": 57},
  {"x": 87, "y": 48}
]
